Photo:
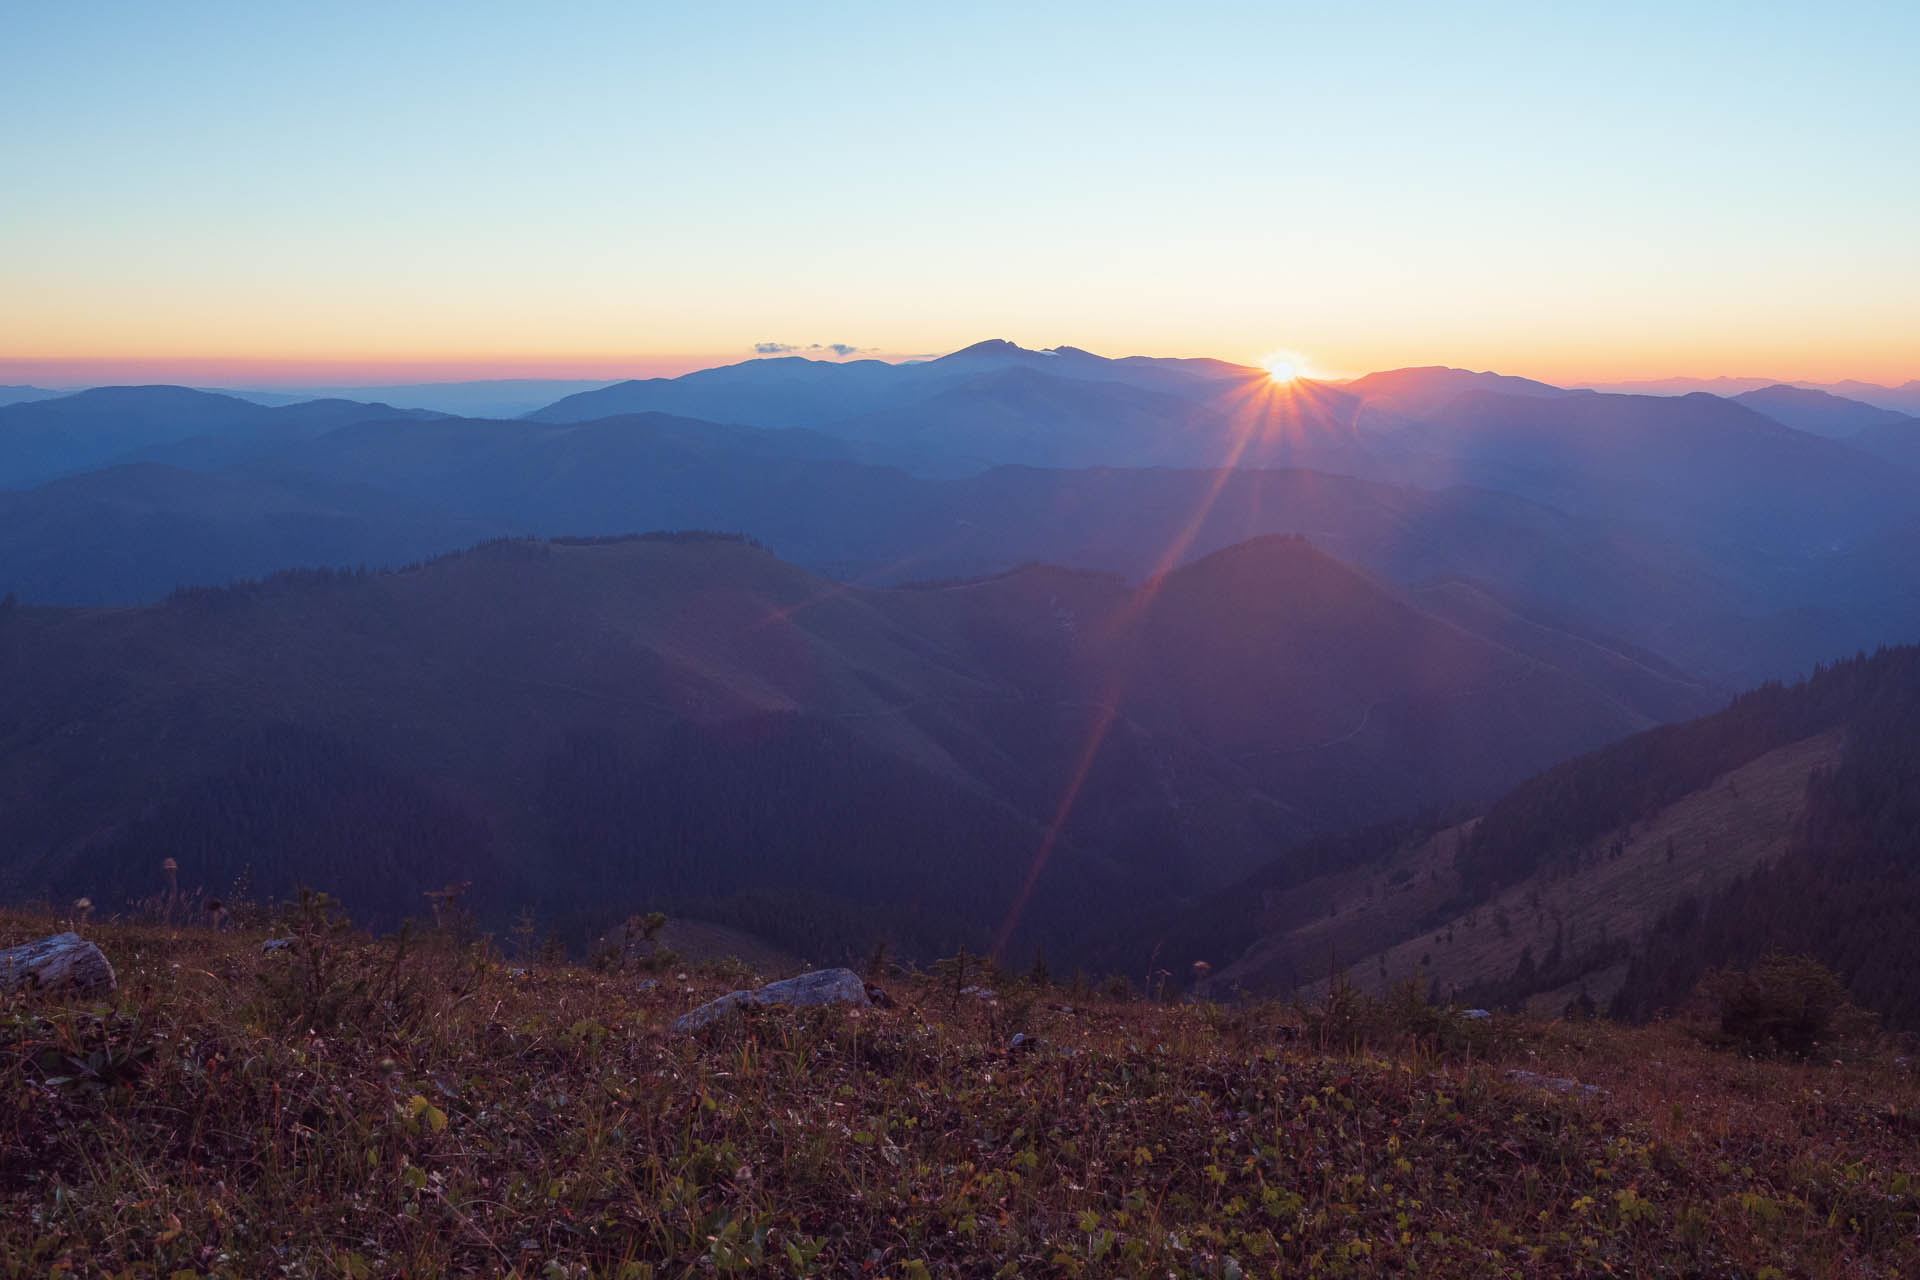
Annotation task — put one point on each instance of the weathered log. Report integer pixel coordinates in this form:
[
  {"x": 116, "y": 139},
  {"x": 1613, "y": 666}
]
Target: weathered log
[{"x": 64, "y": 963}]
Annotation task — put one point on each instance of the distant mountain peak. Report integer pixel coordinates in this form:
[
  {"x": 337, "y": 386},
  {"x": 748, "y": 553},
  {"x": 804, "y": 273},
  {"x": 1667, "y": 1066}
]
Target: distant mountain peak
[
  {"x": 1000, "y": 348},
  {"x": 149, "y": 390},
  {"x": 991, "y": 347}
]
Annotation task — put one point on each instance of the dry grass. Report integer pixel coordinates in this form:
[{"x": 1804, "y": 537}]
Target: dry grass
[{"x": 460, "y": 1119}]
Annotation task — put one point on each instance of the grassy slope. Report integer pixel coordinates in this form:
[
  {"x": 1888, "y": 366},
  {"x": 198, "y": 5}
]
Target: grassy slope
[{"x": 465, "y": 1120}]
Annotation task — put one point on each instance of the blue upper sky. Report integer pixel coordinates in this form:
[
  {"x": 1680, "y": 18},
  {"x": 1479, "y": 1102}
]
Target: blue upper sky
[{"x": 1558, "y": 190}]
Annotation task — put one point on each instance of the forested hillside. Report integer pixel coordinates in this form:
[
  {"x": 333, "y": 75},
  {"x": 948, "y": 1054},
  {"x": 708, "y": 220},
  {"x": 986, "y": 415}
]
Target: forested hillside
[
  {"x": 1848, "y": 894},
  {"x": 1786, "y": 821}
]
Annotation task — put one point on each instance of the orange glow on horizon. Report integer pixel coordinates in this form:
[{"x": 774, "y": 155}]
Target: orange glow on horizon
[
  {"x": 344, "y": 370},
  {"x": 1281, "y": 367}
]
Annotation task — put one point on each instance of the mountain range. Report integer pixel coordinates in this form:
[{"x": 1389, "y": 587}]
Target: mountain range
[
  {"x": 44, "y": 439},
  {"x": 1691, "y": 527},
  {"x": 992, "y": 648},
  {"x": 479, "y": 398},
  {"x": 1904, "y": 398},
  {"x": 664, "y": 720}
]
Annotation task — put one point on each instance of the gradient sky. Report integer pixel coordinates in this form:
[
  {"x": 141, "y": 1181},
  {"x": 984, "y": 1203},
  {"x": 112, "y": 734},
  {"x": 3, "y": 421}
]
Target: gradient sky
[{"x": 378, "y": 191}]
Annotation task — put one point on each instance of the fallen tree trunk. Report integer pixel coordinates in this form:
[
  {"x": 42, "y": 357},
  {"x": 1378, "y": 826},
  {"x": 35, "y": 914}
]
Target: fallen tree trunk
[{"x": 65, "y": 963}]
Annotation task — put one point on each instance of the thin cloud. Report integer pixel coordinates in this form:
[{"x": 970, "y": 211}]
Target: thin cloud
[{"x": 840, "y": 349}]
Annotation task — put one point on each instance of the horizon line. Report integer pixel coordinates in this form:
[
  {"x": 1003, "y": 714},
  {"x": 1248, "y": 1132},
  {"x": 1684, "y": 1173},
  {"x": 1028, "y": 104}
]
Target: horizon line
[{"x": 271, "y": 374}]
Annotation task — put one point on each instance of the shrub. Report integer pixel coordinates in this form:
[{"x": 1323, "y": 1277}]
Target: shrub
[
  {"x": 1784, "y": 1004},
  {"x": 329, "y": 979},
  {"x": 636, "y": 945},
  {"x": 956, "y": 973}
]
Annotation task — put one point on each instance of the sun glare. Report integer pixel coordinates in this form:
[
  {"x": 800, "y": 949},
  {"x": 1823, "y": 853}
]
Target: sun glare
[{"x": 1284, "y": 366}]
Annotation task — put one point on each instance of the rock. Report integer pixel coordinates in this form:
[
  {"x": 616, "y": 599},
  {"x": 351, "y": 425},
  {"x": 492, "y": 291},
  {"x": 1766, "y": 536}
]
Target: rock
[
  {"x": 980, "y": 993},
  {"x": 820, "y": 987},
  {"x": 1476, "y": 1015},
  {"x": 65, "y": 963},
  {"x": 879, "y": 997},
  {"x": 1555, "y": 1084},
  {"x": 1022, "y": 1042},
  {"x": 272, "y": 945}
]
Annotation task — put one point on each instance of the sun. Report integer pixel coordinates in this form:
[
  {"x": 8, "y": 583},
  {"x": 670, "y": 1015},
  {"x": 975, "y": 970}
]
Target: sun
[{"x": 1284, "y": 365}]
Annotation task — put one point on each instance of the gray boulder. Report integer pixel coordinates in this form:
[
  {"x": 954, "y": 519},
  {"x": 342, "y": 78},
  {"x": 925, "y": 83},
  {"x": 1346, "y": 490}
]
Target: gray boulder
[{"x": 822, "y": 986}]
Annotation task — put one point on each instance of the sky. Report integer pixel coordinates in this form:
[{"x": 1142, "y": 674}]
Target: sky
[{"x": 354, "y": 192}]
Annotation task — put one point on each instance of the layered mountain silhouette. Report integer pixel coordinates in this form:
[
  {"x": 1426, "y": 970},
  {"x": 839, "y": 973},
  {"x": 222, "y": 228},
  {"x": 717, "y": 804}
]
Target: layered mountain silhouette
[
  {"x": 379, "y": 493},
  {"x": 1689, "y": 527},
  {"x": 480, "y": 398},
  {"x": 47, "y": 438},
  {"x": 793, "y": 391},
  {"x": 688, "y": 722},
  {"x": 1414, "y": 393},
  {"x": 1904, "y": 398},
  {"x": 1819, "y": 413},
  {"x": 23, "y": 394},
  {"x": 995, "y": 402},
  {"x": 1717, "y": 473},
  {"x": 1711, "y": 472}
]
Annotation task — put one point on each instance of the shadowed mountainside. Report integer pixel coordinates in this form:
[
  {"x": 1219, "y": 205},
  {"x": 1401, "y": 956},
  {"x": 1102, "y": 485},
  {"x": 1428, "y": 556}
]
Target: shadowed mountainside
[
  {"x": 1897, "y": 441},
  {"x": 135, "y": 532},
  {"x": 688, "y": 722}
]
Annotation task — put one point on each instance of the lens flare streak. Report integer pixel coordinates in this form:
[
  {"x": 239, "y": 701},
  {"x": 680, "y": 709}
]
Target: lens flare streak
[{"x": 1253, "y": 412}]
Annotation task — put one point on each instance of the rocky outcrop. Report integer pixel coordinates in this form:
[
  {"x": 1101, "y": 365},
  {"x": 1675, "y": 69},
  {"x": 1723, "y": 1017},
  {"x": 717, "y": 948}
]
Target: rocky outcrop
[{"x": 820, "y": 987}]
